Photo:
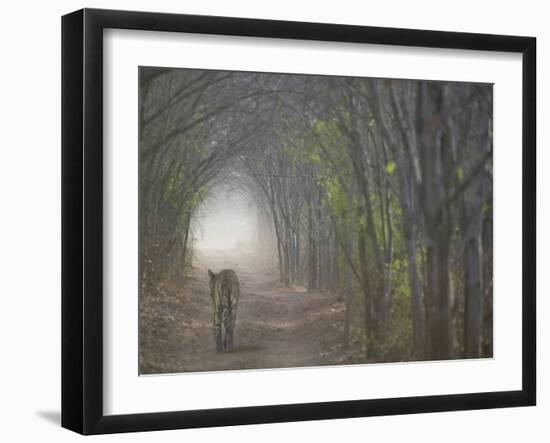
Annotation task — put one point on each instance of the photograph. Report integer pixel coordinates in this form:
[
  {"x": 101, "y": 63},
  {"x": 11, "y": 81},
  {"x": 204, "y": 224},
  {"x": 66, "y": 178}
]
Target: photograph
[{"x": 291, "y": 220}]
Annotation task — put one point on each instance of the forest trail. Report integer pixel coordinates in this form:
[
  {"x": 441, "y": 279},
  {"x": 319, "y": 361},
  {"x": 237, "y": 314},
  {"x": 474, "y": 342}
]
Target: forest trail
[{"x": 276, "y": 327}]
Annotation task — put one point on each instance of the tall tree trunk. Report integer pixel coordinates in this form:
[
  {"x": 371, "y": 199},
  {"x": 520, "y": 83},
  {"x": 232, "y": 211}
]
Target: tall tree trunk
[
  {"x": 312, "y": 250},
  {"x": 417, "y": 310},
  {"x": 474, "y": 297},
  {"x": 279, "y": 243},
  {"x": 349, "y": 236},
  {"x": 367, "y": 295},
  {"x": 439, "y": 319}
]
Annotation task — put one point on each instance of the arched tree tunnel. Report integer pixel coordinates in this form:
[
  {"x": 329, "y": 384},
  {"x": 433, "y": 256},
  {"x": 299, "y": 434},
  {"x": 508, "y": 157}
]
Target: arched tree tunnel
[{"x": 357, "y": 213}]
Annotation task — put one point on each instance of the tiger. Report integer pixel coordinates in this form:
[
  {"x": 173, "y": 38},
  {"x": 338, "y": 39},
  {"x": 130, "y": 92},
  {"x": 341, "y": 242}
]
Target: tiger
[{"x": 225, "y": 292}]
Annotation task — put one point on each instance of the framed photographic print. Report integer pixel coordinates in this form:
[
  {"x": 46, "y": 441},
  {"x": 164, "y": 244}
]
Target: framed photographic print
[{"x": 269, "y": 221}]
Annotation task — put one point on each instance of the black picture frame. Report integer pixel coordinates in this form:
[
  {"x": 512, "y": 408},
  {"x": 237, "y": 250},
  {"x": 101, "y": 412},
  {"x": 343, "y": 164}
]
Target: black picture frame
[{"x": 82, "y": 218}]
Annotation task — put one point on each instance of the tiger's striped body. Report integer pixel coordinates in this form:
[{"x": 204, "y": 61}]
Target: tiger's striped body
[{"x": 225, "y": 291}]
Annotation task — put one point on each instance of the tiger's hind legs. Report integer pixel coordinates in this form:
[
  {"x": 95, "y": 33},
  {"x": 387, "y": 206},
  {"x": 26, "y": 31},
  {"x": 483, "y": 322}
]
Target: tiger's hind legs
[
  {"x": 228, "y": 342},
  {"x": 218, "y": 338}
]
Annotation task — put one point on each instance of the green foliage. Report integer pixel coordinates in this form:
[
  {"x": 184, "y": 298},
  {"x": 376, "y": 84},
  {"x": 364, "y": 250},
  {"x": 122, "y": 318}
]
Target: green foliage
[
  {"x": 371, "y": 121},
  {"x": 460, "y": 174}
]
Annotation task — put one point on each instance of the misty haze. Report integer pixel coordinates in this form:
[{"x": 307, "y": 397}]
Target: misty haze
[{"x": 293, "y": 220}]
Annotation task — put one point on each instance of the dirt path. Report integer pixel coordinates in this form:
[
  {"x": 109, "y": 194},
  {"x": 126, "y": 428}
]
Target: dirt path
[{"x": 276, "y": 326}]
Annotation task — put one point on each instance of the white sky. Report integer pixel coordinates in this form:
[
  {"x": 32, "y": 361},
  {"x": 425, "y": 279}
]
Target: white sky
[{"x": 226, "y": 220}]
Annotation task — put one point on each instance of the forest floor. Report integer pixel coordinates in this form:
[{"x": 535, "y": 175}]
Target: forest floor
[{"x": 276, "y": 326}]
